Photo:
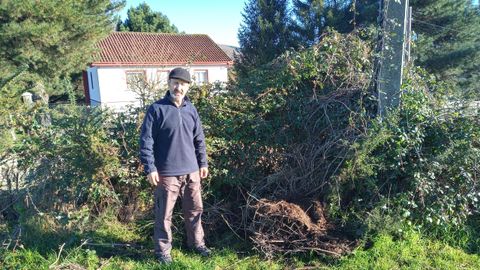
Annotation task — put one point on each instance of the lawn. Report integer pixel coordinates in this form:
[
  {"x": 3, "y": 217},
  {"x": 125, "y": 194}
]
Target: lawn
[{"x": 108, "y": 244}]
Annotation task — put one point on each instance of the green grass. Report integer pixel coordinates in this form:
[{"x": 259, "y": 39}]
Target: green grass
[
  {"x": 224, "y": 259},
  {"x": 410, "y": 252},
  {"x": 42, "y": 238}
]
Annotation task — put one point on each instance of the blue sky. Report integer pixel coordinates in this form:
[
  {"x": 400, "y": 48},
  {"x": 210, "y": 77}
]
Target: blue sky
[{"x": 219, "y": 19}]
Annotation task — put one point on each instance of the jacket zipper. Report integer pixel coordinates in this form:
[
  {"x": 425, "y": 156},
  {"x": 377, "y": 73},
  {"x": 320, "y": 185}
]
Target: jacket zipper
[{"x": 180, "y": 116}]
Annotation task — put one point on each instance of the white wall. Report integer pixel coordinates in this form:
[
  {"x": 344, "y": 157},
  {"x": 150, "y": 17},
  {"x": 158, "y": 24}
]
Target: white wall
[
  {"x": 110, "y": 83},
  {"x": 215, "y": 73},
  {"x": 113, "y": 88}
]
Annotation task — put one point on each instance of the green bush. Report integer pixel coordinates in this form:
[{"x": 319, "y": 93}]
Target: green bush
[
  {"x": 77, "y": 156},
  {"x": 421, "y": 160}
]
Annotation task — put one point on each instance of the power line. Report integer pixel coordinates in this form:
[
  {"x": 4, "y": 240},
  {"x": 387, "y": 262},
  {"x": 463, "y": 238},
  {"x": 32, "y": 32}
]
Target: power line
[{"x": 434, "y": 25}]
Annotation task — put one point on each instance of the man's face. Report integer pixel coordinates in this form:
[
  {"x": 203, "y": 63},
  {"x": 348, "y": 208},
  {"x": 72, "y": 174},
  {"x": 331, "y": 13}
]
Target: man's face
[{"x": 178, "y": 88}]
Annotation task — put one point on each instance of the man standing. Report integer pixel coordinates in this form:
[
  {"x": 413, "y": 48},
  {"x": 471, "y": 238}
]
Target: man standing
[{"x": 172, "y": 150}]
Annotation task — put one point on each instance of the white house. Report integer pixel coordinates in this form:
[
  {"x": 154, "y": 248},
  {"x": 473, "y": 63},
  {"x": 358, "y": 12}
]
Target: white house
[{"x": 124, "y": 55}]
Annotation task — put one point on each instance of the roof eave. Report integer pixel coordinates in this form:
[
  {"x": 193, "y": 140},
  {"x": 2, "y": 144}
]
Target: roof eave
[{"x": 129, "y": 64}]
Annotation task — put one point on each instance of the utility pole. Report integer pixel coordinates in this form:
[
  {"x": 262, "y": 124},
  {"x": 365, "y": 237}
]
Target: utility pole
[
  {"x": 394, "y": 18},
  {"x": 408, "y": 35}
]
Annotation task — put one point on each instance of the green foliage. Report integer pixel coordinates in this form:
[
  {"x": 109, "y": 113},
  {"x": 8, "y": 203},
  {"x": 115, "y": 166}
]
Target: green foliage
[
  {"x": 89, "y": 259},
  {"x": 422, "y": 159},
  {"x": 269, "y": 28},
  {"x": 108, "y": 229},
  {"x": 466, "y": 237},
  {"x": 309, "y": 24},
  {"x": 263, "y": 34},
  {"x": 81, "y": 155},
  {"x": 143, "y": 19},
  {"x": 52, "y": 38},
  {"x": 445, "y": 36},
  {"x": 312, "y": 18},
  {"x": 27, "y": 259},
  {"x": 48, "y": 244},
  {"x": 250, "y": 131},
  {"x": 406, "y": 251},
  {"x": 447, "y": 42},
  {"x": 301, "y": 127},
  {"x": 419, "y": 163}
]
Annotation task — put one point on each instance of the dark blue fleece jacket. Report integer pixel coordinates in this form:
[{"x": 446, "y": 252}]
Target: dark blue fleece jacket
[{"x": 172, "y": 140}]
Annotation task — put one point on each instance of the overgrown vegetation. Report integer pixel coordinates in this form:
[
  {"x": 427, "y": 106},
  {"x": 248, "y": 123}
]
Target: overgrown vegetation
[
  {"x": 422, "y": 160},
  {"x": 300, "y": 163},
  {"x": 302, "y": 170},
  {"x": 66, "y": 250},
  {"x": 445, "y": 33}
]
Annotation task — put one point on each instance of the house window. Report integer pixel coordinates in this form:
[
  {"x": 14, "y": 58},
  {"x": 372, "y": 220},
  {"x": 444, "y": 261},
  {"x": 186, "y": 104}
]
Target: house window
[
  {"x": 200, "y": 76},
  {"x": 136, "y": 80}
]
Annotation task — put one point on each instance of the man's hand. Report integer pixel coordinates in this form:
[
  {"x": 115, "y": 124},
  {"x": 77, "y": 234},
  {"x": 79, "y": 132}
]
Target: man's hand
[
  {"x": 153, "y": 178},
  {"x": 203, "y": 172}
]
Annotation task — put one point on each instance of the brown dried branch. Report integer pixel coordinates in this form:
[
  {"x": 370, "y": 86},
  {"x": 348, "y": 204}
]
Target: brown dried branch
[{"x": 282, "y": 227}]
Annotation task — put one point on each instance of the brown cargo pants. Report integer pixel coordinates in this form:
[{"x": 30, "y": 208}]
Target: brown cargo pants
[{"x": 168, "y": 189}]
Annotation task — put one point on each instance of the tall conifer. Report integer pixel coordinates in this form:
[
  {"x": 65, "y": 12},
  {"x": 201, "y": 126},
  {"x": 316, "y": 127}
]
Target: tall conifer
[
  {"x": 263, "y": 34},
  {"x": 448, "y": 41},
  {"x": 143, "y": 19},
  {"x": 49, "y": 40},
  {"x": 309, "y": 21}
]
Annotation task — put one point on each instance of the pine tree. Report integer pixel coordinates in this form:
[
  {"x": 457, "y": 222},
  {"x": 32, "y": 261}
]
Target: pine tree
[
  {"x": 50, "y": 39},
  {"x": 363, "y": 13},
  {"x": 448, "y": 41},
  {"x": 143, "y": 19},
  {"x": 311, "y": 18},
  {"x": 337, "y": 15},
  {"x": 263, "y": 35},
  {"x": 309, "y": 21}
]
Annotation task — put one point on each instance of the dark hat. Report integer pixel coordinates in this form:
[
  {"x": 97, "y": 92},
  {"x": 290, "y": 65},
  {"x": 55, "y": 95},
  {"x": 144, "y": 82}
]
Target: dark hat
[{"x": 181, "y": 74}]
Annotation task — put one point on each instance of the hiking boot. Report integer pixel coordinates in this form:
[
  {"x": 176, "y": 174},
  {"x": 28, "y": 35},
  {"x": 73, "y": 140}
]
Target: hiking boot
[
  {"x": 164, "y": 259},
  {"x": 203, "y": 251}
]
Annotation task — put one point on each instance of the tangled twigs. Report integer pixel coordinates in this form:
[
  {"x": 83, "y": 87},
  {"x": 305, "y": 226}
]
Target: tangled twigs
[
  {"x": 332, "y": 124},
  {"x": 14, "y": 239},
  {"x": 282, "y": 227}
]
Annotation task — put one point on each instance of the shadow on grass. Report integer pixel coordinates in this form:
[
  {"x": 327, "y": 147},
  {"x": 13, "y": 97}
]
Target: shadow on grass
[
  {"x": 45, "y": 236},
  {"x": 109, "y": 238}
]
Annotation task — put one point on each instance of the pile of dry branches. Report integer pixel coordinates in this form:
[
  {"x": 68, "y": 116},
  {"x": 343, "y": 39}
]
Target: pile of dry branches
[{"x": 282, "y": 227}]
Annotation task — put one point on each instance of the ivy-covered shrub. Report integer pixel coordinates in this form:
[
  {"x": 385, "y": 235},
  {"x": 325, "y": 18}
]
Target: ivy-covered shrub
[{"x": 421, "y": 162}]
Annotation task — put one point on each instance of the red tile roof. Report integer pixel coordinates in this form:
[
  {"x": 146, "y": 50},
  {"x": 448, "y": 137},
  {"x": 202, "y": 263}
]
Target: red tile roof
[{"x": 133, "y": 48}]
